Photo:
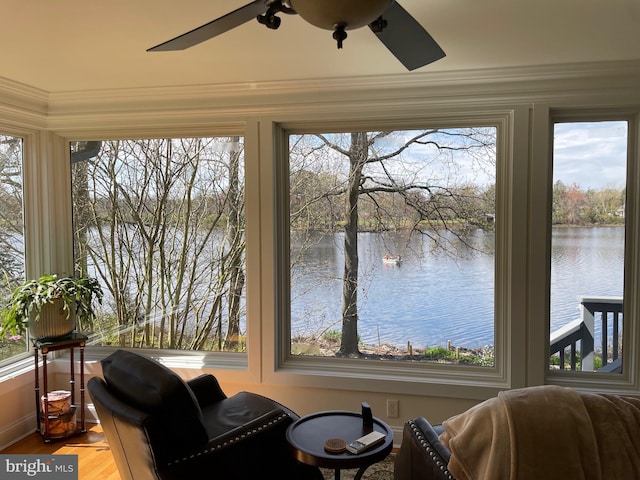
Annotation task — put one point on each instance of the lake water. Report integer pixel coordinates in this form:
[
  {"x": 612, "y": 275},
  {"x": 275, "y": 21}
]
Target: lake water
[{"x": 431, "y": 297}]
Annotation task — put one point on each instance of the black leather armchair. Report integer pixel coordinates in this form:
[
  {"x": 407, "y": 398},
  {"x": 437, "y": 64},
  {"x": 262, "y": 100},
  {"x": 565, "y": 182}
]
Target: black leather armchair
[
  {"x": 161, "y": 427},
  {"x": 421, "y": 454}
]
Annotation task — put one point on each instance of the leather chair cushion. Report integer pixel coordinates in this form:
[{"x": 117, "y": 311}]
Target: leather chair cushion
[
  {"x": 241, "y": 412},
  {"x": 147, "y": 384}
]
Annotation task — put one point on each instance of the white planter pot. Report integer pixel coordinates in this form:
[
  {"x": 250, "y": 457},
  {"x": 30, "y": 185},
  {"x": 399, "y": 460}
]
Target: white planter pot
[{"x": 53, "y": 322}]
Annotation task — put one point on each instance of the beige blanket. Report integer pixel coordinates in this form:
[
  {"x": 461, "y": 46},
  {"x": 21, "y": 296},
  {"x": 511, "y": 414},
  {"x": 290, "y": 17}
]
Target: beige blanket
[{"x": 546, "y": 433}]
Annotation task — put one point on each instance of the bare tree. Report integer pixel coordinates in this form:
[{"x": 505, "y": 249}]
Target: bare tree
[
  {"x": 160, "y": 221},
  {"x": 11, "y": 222}
]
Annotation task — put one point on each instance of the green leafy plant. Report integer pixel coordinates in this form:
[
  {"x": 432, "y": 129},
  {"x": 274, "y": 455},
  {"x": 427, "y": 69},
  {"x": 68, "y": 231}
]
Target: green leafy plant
[
  {"x": 28, "y": 298},
  {"x": 438, "y": 353}
]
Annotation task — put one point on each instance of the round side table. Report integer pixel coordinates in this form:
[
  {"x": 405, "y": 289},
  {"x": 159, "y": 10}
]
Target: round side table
[{"x": 307, "y": 436}]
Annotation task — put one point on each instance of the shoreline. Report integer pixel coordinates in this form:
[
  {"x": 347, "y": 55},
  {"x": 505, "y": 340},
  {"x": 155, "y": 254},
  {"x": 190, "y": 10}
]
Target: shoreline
[{"x": 440, "y": 354}]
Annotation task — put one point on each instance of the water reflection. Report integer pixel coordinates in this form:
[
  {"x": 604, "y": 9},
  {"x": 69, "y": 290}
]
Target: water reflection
[{"x": 432, "y": 297}]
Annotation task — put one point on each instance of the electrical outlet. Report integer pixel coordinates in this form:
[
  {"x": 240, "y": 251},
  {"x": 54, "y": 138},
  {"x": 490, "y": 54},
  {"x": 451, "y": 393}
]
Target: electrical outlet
[{"x": 393, "y": 408}]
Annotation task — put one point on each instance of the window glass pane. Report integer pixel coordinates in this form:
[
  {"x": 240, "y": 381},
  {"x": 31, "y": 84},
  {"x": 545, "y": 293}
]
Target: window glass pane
[
  {"x": 587, "y": 245},
  {"x": 11, "y": 234},
  {"x": 392, "y": 244},
  {"x": 161, "y": 223}
]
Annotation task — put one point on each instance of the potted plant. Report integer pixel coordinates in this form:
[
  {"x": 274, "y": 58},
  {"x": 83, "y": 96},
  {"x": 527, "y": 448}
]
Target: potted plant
[{"x": 50, "y": 306}]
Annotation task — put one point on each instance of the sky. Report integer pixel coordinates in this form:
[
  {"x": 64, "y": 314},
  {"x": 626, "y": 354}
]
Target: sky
[{"x": 591, "y": 154}]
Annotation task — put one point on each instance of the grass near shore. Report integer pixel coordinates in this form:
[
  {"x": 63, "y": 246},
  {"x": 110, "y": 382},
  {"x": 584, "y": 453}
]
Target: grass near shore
[{"x": 329, "y": 345}]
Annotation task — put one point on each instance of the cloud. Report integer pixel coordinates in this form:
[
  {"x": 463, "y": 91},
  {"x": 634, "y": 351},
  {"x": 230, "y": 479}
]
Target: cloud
[{"x": 591, "y": 154}]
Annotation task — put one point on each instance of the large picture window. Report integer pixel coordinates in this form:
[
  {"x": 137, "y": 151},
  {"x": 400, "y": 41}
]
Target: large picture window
[
  {"x": 392, "y": 244},
  {"x": 11, "y": 233},
  {"x": 160, "y": 222}
]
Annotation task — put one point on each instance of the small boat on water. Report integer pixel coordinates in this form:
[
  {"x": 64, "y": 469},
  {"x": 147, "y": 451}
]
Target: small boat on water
[{"x": 389, "y": 260}]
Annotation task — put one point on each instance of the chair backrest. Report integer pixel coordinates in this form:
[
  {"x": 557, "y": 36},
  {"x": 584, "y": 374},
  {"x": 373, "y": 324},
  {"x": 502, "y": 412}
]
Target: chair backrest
[
  {"x": 123, "y": 429},
  {"x": 149, "y": 414}
]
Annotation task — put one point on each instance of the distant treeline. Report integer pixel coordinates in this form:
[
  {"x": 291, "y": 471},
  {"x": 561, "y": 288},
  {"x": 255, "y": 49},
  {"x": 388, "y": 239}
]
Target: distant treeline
[{"x": 575, "y": 206}]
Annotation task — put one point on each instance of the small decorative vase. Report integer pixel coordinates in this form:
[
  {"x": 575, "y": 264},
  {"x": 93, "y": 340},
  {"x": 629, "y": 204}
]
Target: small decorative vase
[{"x": 53, "y": 322}]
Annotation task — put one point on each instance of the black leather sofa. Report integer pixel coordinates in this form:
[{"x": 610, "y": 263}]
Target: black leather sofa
[
  {"x": 540, "y": 432},
  {"x": 160, "y": 427},
  {"x": 422, "y": 456}
]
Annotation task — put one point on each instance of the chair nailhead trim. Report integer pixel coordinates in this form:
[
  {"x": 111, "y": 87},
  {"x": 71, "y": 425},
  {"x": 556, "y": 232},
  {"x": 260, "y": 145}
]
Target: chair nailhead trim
[
  {"x": 226, "y": 443},
  {"x": 435, "y": 457}
]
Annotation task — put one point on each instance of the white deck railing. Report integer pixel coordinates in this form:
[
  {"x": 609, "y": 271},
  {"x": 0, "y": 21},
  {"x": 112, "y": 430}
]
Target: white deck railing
[{"x": 580, "y": 335}]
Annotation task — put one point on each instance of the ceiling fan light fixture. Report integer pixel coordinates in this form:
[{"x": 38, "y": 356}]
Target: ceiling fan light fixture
[
  {"x": 398, "y": 31},
  {"x": 347, "y": 14}
]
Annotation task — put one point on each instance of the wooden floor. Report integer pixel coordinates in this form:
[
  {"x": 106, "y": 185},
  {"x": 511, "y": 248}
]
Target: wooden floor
[
  {"x": 94, "y": 456},
  {"x": 95, "y": 461}
]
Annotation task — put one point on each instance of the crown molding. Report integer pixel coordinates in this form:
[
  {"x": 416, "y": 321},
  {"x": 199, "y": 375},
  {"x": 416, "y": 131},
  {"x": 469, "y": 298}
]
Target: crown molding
[
  {"x": 351, "y": 84},
  {"x": 22, "y": 104},
  {"x": 193, "y": 106}
]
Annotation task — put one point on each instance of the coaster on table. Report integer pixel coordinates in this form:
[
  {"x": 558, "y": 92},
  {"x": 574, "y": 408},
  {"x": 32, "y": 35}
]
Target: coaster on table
[{"x": 335, "y": 445}]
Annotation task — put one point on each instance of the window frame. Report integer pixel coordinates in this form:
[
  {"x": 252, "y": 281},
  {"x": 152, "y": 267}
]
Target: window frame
[
  {"x": 56, "y": 209},
  {"x": 629, "y": 380},
  {"x": 17, "y": 363},
  {"x": 405, "y": 377},
  {"x": 229, "y": 366}
]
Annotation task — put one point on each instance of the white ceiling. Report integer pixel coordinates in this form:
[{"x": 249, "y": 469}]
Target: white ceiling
[{"x": 78, "y": 45}]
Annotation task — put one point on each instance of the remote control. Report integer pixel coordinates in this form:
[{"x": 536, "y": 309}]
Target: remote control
[{"x": 366, "y": 442}]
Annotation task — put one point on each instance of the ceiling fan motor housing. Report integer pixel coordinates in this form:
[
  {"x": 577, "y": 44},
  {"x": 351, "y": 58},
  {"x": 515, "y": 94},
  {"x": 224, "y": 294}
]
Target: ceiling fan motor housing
[{"x": 349, "y": 14}]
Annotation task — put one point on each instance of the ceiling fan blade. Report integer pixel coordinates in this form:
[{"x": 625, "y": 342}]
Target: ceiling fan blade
[
  {"x": 216, "y": 27},
  {"x": 407, "y": 40}
]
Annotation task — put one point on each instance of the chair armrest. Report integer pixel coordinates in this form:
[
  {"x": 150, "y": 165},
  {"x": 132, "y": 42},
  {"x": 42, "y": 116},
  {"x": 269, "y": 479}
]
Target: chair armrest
[
  {"x": 421, "y": 453},
  {"x": 206, "y": 389},
  {"x": 243, "y": 453}
]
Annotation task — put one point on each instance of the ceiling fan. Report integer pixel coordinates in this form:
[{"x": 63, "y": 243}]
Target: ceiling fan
[{"x": 407, "y": 40}]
